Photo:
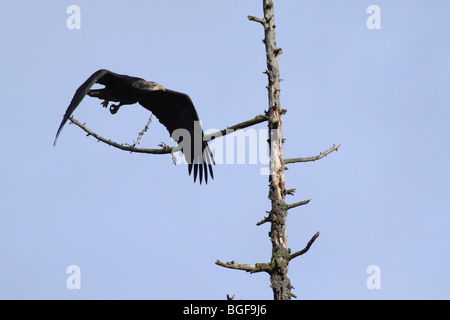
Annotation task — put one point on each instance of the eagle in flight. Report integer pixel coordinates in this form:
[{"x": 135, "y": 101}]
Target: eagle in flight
[{"x": 174, "y": 110}]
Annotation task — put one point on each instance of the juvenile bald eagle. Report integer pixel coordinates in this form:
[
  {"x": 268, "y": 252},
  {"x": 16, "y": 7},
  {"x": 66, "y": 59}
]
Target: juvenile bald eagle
[{"x": 174, "y": 110}]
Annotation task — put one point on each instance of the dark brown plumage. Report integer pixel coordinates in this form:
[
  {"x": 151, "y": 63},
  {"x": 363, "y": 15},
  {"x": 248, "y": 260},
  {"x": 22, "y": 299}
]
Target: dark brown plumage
[{"x": 174, "y": 110}]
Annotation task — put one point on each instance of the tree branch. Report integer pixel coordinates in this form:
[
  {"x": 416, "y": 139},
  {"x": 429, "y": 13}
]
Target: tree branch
[
  {"x": 166, "y": 150},
  {"x": 301, "y": 203},
  {"x": 310, "y": 242},
  {"x": 259, "y": 267},
  {"x": 258, "y": 119},
  {"x": 252, "y": 18},
  {"x": 118, "y": 145},
  {"x": 309, "y": 159},
  {"x": 266, "y": 219},
  {"x": 288, "y": 206}
]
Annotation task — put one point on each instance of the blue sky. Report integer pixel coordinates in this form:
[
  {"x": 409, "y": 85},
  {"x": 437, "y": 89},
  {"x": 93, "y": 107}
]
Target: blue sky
[{"x": 139, "y": 228}]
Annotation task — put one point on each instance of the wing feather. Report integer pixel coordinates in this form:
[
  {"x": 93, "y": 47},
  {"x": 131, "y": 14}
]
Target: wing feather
[{"x": 175, "y": 110}]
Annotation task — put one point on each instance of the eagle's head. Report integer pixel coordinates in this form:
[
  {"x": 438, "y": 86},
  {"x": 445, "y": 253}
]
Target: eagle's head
[{"x": 149, "y": 86}]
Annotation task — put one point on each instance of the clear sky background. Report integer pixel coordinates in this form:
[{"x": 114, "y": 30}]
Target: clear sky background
[{"x": 139, "y": 228}]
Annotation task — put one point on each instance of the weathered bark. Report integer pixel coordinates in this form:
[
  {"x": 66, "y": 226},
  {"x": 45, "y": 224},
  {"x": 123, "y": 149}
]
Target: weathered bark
[{"x": 279, "y": 279}]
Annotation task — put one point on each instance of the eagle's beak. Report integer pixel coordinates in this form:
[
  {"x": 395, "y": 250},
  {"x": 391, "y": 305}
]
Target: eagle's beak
[{"x": 159, "y": 88}]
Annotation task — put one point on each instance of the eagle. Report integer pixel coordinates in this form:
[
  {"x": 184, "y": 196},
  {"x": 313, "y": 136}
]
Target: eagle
[{"x": 173, "y": 109}]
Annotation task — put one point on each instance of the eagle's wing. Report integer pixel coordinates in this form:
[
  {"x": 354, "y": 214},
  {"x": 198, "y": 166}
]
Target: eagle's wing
[
  {"x": 175, "y": 110},
  {"x": 101, "y": 76}
]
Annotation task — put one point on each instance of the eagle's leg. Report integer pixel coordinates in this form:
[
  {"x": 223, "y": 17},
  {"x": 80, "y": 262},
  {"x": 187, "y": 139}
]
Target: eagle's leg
[
  {"x": 105, "y": 103},
  {"x": 115, "y": 107}
]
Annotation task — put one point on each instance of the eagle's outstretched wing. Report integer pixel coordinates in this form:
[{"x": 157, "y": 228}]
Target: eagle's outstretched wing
[
  {"x": 101, "y": 76},
  {"x": 175, "y": 110}
]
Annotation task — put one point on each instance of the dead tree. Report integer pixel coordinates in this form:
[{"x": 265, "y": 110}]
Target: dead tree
[{"x": 277, "y": 267}]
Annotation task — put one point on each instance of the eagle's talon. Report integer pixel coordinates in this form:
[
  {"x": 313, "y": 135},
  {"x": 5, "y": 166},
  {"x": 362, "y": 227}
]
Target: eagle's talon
[
  {"x": 105, "y": 103},
  {"x": 114, "y": 108}
]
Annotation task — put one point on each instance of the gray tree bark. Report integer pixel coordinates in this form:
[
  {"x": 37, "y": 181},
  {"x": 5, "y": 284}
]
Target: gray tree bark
[{"x": 280, "y": 283}]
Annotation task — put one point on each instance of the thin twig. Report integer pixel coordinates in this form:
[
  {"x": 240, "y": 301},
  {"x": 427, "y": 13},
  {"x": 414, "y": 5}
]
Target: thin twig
[
  {"x": 290, "y": 191},
  {"x": 141, "y": 134},
  {"x": 266, "y": 219},
  {"x": 310, "y": 242},
  {"x": 320, "y": 156}
]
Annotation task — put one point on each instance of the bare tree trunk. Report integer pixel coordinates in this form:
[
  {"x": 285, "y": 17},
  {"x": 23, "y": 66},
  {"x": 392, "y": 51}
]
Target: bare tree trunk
[
  {"x": 279, "y": 279},
  {"x": 277, "y": 268}
]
